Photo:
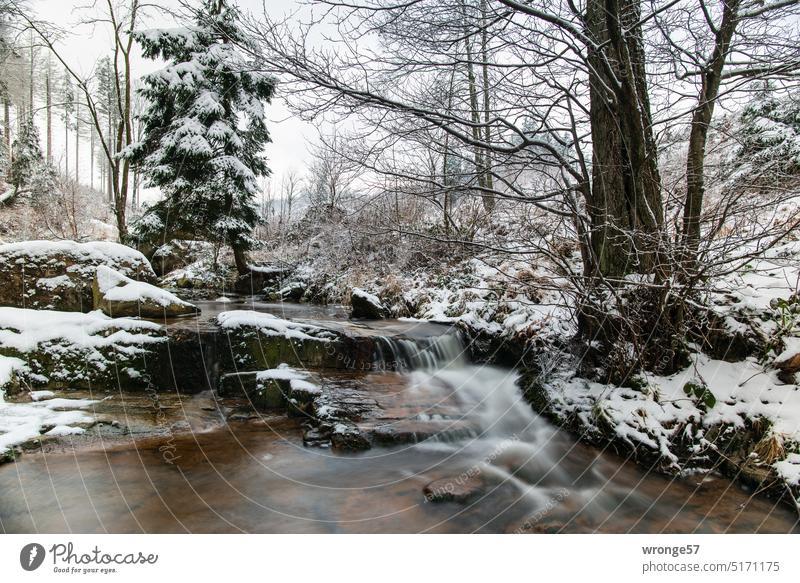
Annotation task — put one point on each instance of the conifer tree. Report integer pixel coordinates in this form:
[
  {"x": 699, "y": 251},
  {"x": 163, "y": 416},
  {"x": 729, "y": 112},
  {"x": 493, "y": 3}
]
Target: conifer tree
[
  {"x": 29, "y": 172},
  {"x": 203, "y": 132},
  {"x": 26, "y": 155}
]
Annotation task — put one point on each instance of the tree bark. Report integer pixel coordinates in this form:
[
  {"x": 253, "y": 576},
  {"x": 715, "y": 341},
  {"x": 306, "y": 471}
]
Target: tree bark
[
  {"x": 91, "y": 157},
  {"x": 487, "y": 160},
  {"x": 710, "y": 78},
  {"x": 240, "y": 259},
  {"x": 77, "y": 138},
  {"x": 477, "y": 134},
  {"x": 49, "y": 113},
  {"x": 625, "y": 204},
  {"x": 66, "y": 140},
  {"x": 32, "y": 77},
  {"x": 7, "y": 123}
]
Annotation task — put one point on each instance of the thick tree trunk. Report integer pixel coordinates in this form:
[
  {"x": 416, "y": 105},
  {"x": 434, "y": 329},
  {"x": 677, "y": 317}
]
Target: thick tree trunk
[
  {"x": 66, "y": 143},
  {"x": 109, "y": 168},
  {"x": 32, "y": 77},
  {"x": 240, "y": 258},
  {"x": 91, "y": 157},
  {"x": 625, "y": 204}
]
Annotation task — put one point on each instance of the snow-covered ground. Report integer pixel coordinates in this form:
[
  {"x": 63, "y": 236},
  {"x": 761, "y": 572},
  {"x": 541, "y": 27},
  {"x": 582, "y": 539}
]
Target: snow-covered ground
[{"x": 709, "y": 393}]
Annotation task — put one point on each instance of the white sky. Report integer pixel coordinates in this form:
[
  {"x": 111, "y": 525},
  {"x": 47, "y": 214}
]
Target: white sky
[{"x": 86, "y": 44}]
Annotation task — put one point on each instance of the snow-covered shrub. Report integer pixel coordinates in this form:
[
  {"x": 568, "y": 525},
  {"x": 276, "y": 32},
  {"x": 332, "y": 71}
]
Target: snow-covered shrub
[{"x": 769, "y": 137}]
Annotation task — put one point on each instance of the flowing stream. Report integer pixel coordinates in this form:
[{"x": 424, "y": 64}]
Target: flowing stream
[{"x": 489, "y": 464}]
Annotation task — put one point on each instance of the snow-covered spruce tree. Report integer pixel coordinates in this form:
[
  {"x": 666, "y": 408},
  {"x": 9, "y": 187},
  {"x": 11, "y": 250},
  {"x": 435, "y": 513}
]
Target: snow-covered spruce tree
[
  {"x": 26, "y": 156},
  {"x": 204, "y": 133},
  {"x": 769, "y": 139}
]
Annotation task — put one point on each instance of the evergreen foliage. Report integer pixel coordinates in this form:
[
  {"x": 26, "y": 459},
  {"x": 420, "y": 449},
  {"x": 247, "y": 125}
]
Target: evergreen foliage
[{"x": 204, "y": 132}]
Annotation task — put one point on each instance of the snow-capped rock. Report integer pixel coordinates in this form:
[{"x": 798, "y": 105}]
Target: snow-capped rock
[
  {"x": 367, "y": 305},
  {"x": 58, "y": 275},
  {"x": 117, "y": 295}
]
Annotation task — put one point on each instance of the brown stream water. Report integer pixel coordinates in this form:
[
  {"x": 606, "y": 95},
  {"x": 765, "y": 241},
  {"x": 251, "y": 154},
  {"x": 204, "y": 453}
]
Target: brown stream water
[{"x": 252, "y": 473}]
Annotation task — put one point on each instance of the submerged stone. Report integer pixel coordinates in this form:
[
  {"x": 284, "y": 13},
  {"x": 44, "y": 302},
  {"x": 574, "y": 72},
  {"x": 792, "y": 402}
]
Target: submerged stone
[{"x": 461, "y": 489}]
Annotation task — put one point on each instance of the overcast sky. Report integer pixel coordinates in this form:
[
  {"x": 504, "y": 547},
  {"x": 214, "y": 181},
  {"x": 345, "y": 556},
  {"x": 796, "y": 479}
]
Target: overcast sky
[{"x": 85, "y": 44}]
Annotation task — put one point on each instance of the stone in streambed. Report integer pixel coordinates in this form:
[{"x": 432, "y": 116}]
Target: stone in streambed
[
  {"x": 292, "y": 291},
  {"x": 76, "y": 350},
  {"x": 460, "y": 489},
  {"x": 178, "y": 254},
  {"x": 282, "y": 386},
  {"x": 347, "y": 437},
  {"x": 366, "y": 305}
]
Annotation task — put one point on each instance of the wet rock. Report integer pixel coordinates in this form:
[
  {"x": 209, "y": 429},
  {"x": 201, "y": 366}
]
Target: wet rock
[
  {"x": 460, "y": 489},
  {"x": 282, "y": 386},
  {"x": 71, "y": 349},
  {"x": 241, "y": 417},
  {"x": 292, "y": 291},
  {"x": 317, "y": 436},
  {"x": 117, "y": 295},
  {"x": 187, "y": 362},
  {"x": 347, "y": 437},
  {"x": 8, "y": 456},
  {"x": 261, "y": 393},
  {"x": 367, "y": 306},
  {"x": 58, "y": 275},
  {"x": 406, "y": 431},
  {"x": 259, "y": 341},
  {"x": 301, "y": 397},
  {"x": 342, "y": 403},
  {"x": 180, "y": 426},
  {"x": 260, "y": 277}
]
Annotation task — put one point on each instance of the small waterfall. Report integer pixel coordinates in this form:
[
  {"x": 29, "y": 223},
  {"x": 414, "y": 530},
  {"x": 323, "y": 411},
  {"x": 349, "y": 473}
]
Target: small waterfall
[
  {"x": 410, "y": 354},
  {"x": 488, "y": 395},
  {"x": 507, "y": 435}
]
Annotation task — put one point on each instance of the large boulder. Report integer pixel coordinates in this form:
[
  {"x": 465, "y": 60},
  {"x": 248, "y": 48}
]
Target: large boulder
[
  {"x": 51, "y": 349},
  {"x": 117, "y": 295},
  {"x": 259, "y": 341},
  {"x": 366, "y": 305},
  {"x": 282, "y": 386},
  {"x": 58, "y": 275}
]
